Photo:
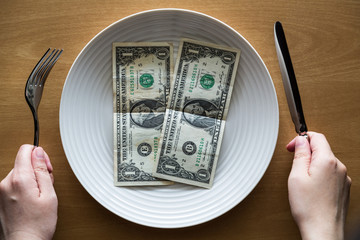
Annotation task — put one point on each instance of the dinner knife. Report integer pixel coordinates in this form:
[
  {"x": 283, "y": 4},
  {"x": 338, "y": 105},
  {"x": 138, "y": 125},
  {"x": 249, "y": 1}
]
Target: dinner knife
[{"x": 289, "y": 80}]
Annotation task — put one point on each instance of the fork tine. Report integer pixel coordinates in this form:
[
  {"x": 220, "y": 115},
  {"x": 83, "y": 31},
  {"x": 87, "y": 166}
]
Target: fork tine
[
  {"x": 43, "y": 67},
  {"x": 34, "y": 71},
  {"x": 50, "y": 66}
]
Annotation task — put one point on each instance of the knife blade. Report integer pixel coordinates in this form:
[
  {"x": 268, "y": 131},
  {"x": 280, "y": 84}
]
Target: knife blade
[{"x": 289, "y": 80}]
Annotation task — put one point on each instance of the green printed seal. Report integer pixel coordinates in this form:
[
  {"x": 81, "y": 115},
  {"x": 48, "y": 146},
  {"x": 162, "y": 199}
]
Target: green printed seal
[
  {"x": 146, "y": 80},
  {"x": 207, "y": 81}
]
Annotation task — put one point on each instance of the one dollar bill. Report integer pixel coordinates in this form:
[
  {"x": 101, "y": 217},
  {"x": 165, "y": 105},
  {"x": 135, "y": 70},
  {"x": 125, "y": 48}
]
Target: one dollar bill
[
  {"x": 141, "y": 84},
  {"x": 195, "y": 118}
]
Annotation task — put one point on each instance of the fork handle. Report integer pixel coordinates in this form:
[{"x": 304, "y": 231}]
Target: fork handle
[{"x": 36, "y": 129}]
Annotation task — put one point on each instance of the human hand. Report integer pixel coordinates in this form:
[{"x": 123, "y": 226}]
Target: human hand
[
  {"x": 28, "y": 202},
  {"x": 319, "y": 188}
]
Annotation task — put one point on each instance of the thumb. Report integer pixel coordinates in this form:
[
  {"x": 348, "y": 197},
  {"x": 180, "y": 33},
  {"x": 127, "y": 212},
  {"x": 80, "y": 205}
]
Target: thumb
[
  {"x": 302, "y": 156},
  {"x": 38, "y": 161}
]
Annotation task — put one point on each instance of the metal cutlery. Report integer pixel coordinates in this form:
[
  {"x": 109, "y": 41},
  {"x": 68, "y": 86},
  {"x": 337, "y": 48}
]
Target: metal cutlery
[
  {"x": 289, "y": 80},
  {"x": 35, "y": 85}
]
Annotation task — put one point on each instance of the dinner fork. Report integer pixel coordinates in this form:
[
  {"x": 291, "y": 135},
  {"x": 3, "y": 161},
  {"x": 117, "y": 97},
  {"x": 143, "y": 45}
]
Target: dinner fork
[{"x": 35, "y": 85}]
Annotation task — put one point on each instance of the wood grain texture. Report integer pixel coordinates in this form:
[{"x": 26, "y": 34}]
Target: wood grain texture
[{"x": 323, "y": 38}]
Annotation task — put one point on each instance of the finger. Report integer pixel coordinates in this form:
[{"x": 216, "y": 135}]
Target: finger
[
  {"x": 349, "y": 180},
  {"x": 319, "y": 143},
  {"x": 48, "y": 163},
  {"x": 291, "y": 145},
  {"x": 346, "y": 196},
  {"x": 23, "y": 158},
  {"x": 52, "y": 178},
  {"x": 302, "y": 156},
  {"x": 9, "y": 174},
  {"x": 49, "y": 167},
  {"x": 321, "y": 150},
  {"x": 6, "y": 180},
  {"x": 42, "y": 174}
]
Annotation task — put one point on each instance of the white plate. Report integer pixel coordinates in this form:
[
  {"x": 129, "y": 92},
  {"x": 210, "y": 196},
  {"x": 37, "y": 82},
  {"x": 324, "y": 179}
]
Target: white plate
[{"x": 86, "y": 124}]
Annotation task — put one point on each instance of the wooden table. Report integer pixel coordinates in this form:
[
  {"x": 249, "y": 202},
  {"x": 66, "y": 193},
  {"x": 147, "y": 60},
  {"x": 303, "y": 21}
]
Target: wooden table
[{"x": 323, "y": 38}]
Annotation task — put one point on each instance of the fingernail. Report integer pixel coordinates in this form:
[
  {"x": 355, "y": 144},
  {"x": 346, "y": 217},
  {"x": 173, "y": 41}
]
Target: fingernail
[
  {"x": 39, "y": 152},
  {"x": 300, "y": 141}
]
